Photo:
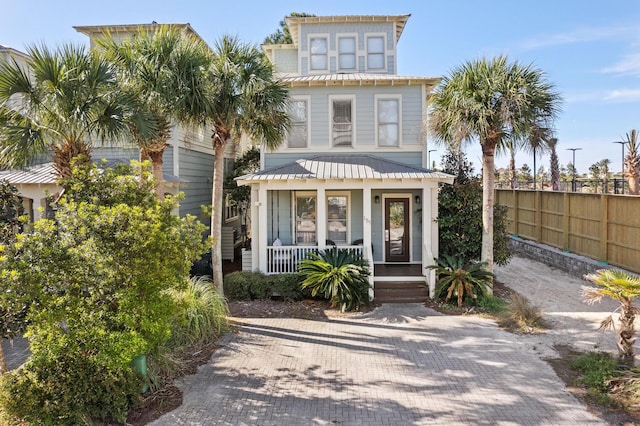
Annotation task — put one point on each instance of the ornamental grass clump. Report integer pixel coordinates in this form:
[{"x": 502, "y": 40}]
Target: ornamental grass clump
[{"x": 341, "y": 276}]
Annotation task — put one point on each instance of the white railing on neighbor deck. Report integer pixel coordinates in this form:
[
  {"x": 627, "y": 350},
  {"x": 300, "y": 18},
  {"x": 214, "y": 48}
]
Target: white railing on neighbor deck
[
  {"x": 430, "y": 274},
  {"x": 285, "y": 259}
]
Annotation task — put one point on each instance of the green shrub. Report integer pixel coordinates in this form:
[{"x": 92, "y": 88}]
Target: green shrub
[
  {"x": 596, "y": 369},
  {"x": 460, "y": 280},
  {"x": 341, "y": 276},
  {"x": 247, "y": 285},
  {"x": 287, "y": 286},
  {"x": 491, "y": 304},
  {"x": 68, "y": 390}
]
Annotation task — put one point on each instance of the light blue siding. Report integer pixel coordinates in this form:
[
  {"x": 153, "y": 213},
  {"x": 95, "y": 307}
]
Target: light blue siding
[
  {"x": 115, "y": 153},
  {"x": 405, "y": 157},
  {"x": 286, "y": 60},
  {"x": 197, "y": 168},
  {"x": 334, "y": 29}
]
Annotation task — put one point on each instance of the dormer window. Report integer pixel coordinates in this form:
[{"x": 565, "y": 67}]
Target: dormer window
[
  {"x": 318, "y": 53},
  {"x": 347, "y": 53},
  {"x": 375, "y": 52}
]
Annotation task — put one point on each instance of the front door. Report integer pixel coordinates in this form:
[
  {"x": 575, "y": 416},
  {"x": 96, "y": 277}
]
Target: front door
[{"x": 396, "y": 230}]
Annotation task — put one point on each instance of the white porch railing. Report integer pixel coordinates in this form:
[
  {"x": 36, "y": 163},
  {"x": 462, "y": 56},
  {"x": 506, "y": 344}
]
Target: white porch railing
[{"x": 285, "y": 259}]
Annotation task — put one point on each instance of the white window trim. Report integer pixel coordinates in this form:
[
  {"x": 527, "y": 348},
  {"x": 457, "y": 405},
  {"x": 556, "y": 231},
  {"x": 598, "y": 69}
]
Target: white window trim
[
  {"x": 294, "y": 210},
  {"x": 354, "y": 36},
  {"x": 327, "y": 38},
  {"x": 308, "y": 100},
  {"x": 351, "y": 98},
  {"x": 340, "y": 194},
  {"x": 375, "y": 112},
  {"x": 385, "y": 66}
]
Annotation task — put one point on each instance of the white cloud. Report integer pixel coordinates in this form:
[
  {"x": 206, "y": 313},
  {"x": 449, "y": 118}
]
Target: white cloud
[
  {"x": 609, "y": 96},
  {"x": 579, "y": 35},
  {"x": 628, "y": 65},
  {"x": 622, "y": 96}
]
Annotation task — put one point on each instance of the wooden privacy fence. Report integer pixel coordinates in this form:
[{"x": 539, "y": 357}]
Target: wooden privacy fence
[{"x": 600, "y": 226}]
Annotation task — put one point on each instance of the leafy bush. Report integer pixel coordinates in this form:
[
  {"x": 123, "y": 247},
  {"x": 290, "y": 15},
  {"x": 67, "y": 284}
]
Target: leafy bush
[
  {"x": 242, "y": 285},
  {"x": 341, "y": 276},
  {"x": 100, "y": 276},
  {"x": 460, "y": 215},
  {"x": 491, "y": 304},
  {"x": 287, "y": 286},
  {"x": 464, "y": 281},
  {"x": 69, "y": 389}
]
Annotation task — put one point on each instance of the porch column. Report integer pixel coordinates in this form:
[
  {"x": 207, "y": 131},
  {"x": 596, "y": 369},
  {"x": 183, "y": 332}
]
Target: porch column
[
  {"x": 366, "y": 234},
  {"x": 262, "y": 228},
  {"x": 255, "y": 229},
  {"x": 428, "y": 254},
  {"x": 321, "y": 217}
]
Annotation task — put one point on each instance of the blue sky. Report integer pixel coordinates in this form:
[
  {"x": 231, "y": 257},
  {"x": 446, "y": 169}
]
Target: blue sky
[{"x": 589, "y": 49}]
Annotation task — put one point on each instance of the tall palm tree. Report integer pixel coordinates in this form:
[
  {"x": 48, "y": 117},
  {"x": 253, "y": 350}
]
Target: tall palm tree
[
  {"x": 492, "y": 101},
  {"x": 167, "y": 69},
  {"x": 623, "y": 288},
  {"x": 555, "y": 164},
  {"x": 65, "y": 98},
  {"x": 511, "y": 146},
  {"x": 537, "y": 143},
  {"x": 604, "y": 172},
  {"x": 632, "y": 163},
  {"x": 246, "y": 99}
]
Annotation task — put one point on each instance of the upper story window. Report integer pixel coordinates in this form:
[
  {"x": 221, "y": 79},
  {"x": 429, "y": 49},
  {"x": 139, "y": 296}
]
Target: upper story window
[
  {"x": 375, "y": 53},
  {"x": 318, "y": 54},
  {"x": 388, "y": 121},
  {"x": 347, "y": 53},
  {"x": 298, "y": 130},
  {"x": 342, "y": 122}
]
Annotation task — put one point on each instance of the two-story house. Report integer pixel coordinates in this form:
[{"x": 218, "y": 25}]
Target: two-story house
[{"x": 353, "y": 170}]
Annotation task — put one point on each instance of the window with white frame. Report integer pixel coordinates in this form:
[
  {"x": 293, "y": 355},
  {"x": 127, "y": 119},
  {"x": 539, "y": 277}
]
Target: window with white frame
[
  {"x": 388, "y": 121},
  {"x": 375, "y": 52},
  {"x": 338, "y": 218},
  {"x": 305, "y": 223},
  {"x": 342, "y": 122},
  {"x": 298, "y": 129},
  {"x": 347, "y": 53},
  {"x": 318, "y": 54}
]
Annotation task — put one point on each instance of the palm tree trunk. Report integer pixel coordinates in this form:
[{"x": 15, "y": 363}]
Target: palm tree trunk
[
  {"x": 64, "y": 155},
  {"x": 626, "y": 333},
  {"x": 158, "y": 176},
  {"x": 488, "y": 183},
  {"x": 634, "y": 188},
  {"x": 216, "y": 214},
  {"x": 3, "y": 361},
  {"x": 512, "y": 169}
]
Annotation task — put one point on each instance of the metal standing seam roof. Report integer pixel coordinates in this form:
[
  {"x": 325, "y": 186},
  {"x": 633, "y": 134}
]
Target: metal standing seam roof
[
  {"x": 356, "y": 79},
  {"x": 46, "y": 174},
  {"x": 344, "y": 167}
]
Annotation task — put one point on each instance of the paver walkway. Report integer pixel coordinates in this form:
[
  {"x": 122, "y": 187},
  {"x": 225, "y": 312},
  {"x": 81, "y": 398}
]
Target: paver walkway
[{"x": 399, "y": 365}]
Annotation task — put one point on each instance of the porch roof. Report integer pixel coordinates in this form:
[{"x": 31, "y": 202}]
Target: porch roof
[
  {"x": 344, "y": 167},
  {"x": 46, "y": 174}
]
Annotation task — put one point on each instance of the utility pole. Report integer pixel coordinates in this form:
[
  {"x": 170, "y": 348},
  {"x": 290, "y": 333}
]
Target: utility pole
[
  {"x": 573, "y": 182},
  {"x": 623, "y": 143}
]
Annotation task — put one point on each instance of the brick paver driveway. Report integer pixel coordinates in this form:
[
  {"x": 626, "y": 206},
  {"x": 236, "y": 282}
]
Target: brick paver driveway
[{"x": 399, "y": 365}]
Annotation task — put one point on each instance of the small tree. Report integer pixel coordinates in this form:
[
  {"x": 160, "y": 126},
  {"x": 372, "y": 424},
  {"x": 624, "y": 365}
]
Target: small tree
[
  {"x": 623, "y": 288},
  {"x": 555, "y": 164},
  {"x": 460, "y": 214},
  {"x": 632, "y": 163},
  {"x": 282, "y": 34},
  {"x": 99, "y": 278}
]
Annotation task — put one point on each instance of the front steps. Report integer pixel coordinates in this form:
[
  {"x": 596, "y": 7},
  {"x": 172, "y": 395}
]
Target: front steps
[{"x": 396, "y": 291}]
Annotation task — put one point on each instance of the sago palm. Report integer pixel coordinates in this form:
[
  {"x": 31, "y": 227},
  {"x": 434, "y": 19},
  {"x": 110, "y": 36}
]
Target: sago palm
[
  {"x": 492, "y": 101},
  {"x": 167, "y": 69},
  {"x": 65, "y": 98},
  {"x": 623, "y": 288},
  {"x": 632, "y": 163},
  {"x": 460, "y": 280},
  {"x": 246, "y": 99},
  {"x": 341, "y": 276}
]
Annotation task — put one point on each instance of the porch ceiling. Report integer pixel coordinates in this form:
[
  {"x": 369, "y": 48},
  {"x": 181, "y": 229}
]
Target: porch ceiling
[{"x": 359, "y": 167}]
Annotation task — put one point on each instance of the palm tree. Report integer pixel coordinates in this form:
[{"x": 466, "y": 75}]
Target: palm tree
[
  {"x": 511, "y": 146},
  {"x": 537, "y": 143},
  {"x": 632, "y": 163},
  {"x": 604, "y": 171},
  {"x": 623, "y": 288},
  {"x": 167, "y": 70},
  {"x": 246, "y": 99},
  {"x": 493, "y": 101},
  {"x": 555, "y": 164},
  {"x": 65, "y": 98}
]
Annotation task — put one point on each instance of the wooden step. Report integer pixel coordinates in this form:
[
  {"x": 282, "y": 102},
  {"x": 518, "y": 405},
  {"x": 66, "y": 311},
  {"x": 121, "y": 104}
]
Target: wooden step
[{"x": 400, "y": 291}]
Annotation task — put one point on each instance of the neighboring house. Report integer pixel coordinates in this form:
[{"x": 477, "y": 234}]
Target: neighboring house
[
  {"x": 353, "y": 171},
  {"x": 188, "y": 161}
]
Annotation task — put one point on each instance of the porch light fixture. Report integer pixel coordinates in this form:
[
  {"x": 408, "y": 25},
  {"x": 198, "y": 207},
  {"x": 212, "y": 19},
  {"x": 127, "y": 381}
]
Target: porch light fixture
[
  {"x": 376, "y": 199},
  {"x": 418, "y": 199}
]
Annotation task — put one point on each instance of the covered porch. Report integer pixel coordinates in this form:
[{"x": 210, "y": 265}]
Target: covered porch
[{"x": 384, "y": 211}]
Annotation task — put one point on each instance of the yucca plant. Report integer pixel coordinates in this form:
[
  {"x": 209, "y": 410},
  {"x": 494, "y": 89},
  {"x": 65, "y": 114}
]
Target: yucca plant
[
  {"x": 341, "y": 276},
  {"x": 456, "y": 278},
  {"x": 623, "y": 288}
]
